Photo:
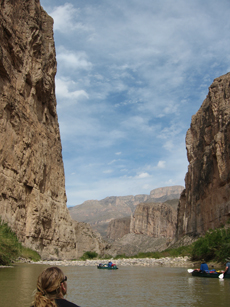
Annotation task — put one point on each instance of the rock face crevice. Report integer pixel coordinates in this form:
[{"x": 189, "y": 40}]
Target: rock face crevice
[
  {"x": 205, "y": 202},
  {"x": 32, "y": 181}
]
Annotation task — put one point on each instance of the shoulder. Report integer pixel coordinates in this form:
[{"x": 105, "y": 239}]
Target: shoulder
[{"x": 65, "y": 303}]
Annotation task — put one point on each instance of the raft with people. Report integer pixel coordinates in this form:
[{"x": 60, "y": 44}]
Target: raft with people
[
  {"x": 204, "y": 271},
  {"x": 109, "y": 266},
  {"x": 210, "y": 274}
]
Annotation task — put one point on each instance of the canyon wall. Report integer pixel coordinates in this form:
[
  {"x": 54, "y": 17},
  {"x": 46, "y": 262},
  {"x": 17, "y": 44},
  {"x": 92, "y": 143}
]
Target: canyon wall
[
  {"x": 156, "y": 220},
  {"x": 117, "y": 228},
  {"x": 32, "y": 182},
  {"x": 152, "y": 229},
  {"x": 205, "y": 202}
]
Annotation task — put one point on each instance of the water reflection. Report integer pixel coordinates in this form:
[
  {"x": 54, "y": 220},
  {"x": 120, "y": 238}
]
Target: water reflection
[{"x": 128, "y": 286}]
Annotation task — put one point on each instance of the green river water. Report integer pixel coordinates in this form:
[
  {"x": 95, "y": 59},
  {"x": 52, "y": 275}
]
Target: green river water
[{"x": 127, "y": 286}]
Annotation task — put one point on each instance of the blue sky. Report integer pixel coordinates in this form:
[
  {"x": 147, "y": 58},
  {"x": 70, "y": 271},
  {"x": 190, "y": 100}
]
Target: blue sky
[{"x": 130, "y": 75}]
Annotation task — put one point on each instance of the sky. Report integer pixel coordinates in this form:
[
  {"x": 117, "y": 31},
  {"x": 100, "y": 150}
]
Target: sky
[{"x": 130, "y": 75}]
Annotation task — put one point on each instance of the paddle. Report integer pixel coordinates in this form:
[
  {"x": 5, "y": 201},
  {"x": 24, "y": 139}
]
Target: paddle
[
  {"x": 190, "y": 270},
  {"x": 221, "y": 276}
]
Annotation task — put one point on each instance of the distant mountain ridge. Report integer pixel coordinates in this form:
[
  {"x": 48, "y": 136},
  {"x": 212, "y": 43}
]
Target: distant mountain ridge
[{"x": 98, "y": 213}]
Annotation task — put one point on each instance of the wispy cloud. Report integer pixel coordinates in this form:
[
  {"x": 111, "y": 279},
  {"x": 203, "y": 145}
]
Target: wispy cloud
[
  {"x": 65, "y": 18},
  {"x": 64, "y": 90},
  {"x": 73, "y": 60}
]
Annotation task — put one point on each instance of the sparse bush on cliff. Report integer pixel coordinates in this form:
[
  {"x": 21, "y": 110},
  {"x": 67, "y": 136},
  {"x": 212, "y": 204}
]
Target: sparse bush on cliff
[
  {"x": 11, "y": 248},
  {"x": 215, "y": 245}
]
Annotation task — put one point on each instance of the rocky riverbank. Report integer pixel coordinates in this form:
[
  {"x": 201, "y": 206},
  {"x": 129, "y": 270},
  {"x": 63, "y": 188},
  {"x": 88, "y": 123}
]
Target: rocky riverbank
[{"x": 167, "y": 261}]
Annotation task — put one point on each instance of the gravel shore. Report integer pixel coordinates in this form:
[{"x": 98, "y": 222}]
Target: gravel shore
[{"x": 167, "y": 261}]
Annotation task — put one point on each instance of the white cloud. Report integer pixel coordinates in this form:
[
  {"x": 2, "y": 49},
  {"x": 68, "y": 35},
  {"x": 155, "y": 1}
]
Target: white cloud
[
  {"x": 64, "y": 18},
  {"x": 73, "y": 60},
  {"x": 161, "y": 164},
  {"x": 142, "y": 175},
  {"x": 63, "y": 90}
]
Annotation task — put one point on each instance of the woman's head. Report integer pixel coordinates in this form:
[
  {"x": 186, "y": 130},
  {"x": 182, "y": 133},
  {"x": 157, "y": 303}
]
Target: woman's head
[{"x": 51, "y": 284}]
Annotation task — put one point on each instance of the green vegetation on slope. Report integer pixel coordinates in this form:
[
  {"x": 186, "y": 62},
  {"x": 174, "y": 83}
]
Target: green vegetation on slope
[
  {"x": 215, "y": 245},
  {"x": 11, "y": 248}
]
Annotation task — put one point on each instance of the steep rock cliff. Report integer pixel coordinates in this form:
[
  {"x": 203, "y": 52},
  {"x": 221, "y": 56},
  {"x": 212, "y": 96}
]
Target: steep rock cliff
[
  {"x": 32, "y": 182},
  {"x": 117, "y": 228},
  {"x": 156, "y": 220},
  {"x": 205, "y": 202}
]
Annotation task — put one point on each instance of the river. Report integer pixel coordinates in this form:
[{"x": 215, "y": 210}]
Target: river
[{"x": 126, "y": 287}]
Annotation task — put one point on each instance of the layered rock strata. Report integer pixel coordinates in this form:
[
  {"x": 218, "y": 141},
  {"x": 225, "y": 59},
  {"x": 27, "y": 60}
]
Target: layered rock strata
[
  {"x": 32, "y": 182},
  {"x": 205, "y": 202}
]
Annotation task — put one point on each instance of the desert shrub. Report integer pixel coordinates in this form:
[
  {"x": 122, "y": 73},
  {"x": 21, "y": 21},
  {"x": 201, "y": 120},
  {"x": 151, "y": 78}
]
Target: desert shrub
[
  {"x": 215, "y": 245},
  {"x": 89, "y": 255}
]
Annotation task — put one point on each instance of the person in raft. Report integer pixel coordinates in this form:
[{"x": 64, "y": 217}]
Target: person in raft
[
  {"x": 51, "y": 288},
  {"x": 227, "y": 267},
  {"x": 110, "y": 264},
  {"x": 203, "y": 267}
]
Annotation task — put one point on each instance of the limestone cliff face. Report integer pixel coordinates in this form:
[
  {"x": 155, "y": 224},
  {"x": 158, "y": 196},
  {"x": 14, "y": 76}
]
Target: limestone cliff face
[
  {"x": 32, "y": 182},
  {"x": 88, "y": 240},
  {"x": 117, "y": 228},
  {"x": 205, "y": 203},
  {"x": 156, "y": 220}
]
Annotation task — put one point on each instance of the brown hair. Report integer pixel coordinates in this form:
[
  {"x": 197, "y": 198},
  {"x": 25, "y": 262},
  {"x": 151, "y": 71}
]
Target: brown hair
[{"x": 48, "y": 287}]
